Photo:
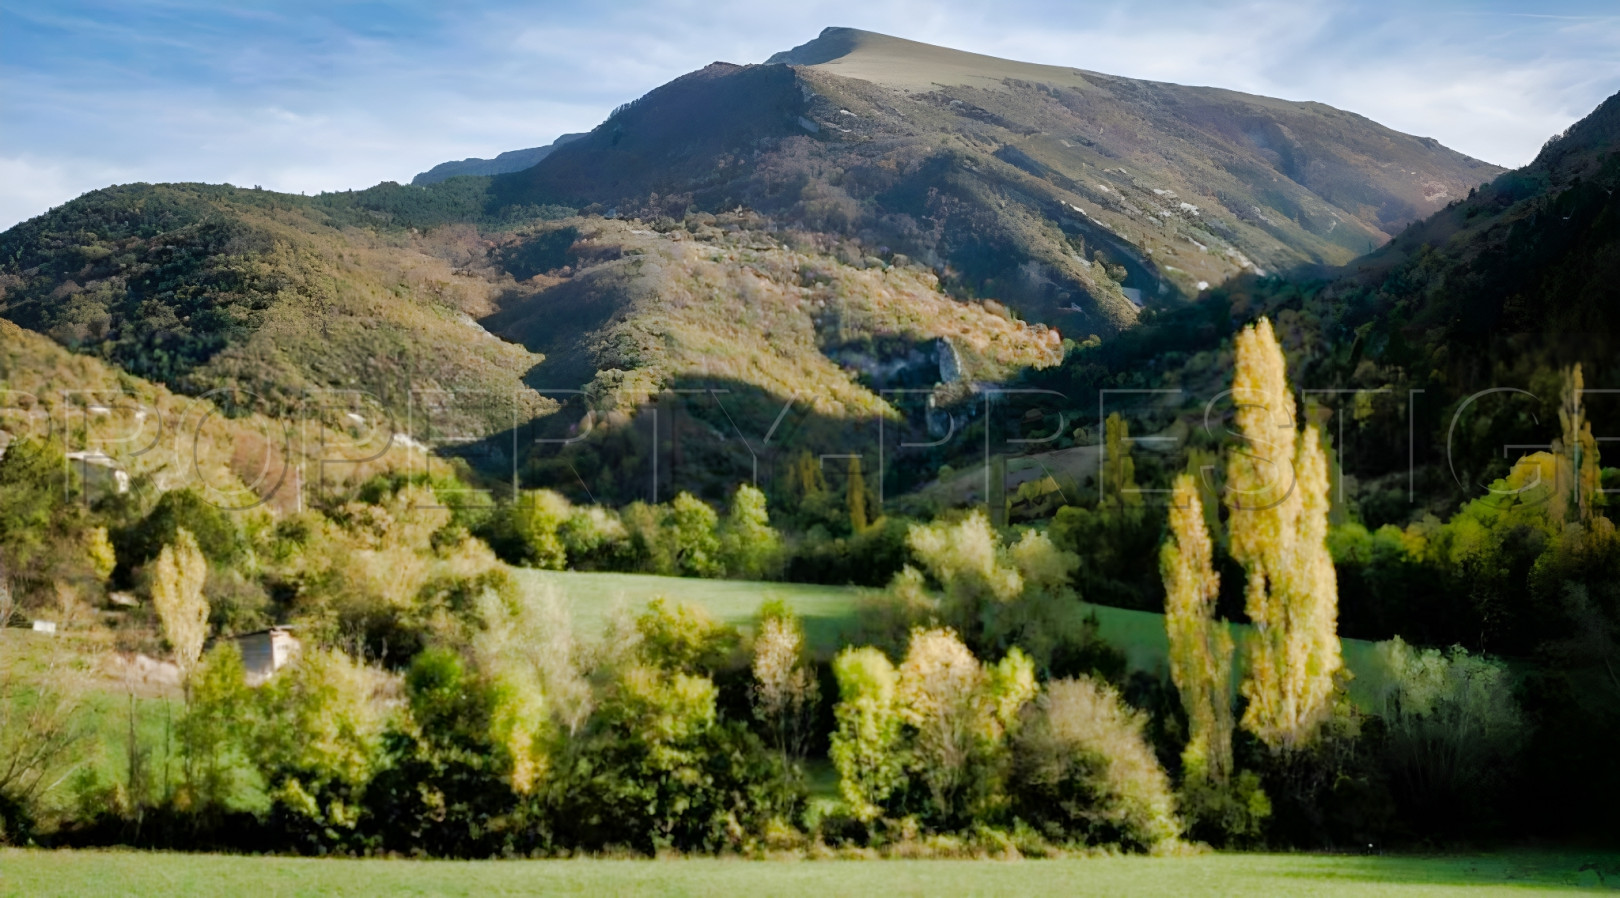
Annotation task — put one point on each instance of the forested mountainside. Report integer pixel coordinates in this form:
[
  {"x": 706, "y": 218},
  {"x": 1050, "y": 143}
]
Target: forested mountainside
[{"x": 1501, "y": 289}]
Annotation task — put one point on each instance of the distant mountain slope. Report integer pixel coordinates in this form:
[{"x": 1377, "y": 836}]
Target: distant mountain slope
[
  {"x": 510, "y": 161},
  {"x": 1069, "y": 194}
]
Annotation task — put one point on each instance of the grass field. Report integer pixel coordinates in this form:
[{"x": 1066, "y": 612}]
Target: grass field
[
  {"x": 829, "y": 615},
  {"x": 105, "y": 707},
  {"x": 42, "y": 873}
]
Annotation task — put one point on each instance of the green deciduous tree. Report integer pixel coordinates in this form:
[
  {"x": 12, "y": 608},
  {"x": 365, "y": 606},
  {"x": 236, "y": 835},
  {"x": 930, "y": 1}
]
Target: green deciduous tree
[
  {"x": 537, "y": 517},
  {"x": 749, "y": 547},
  {"x": 865, "y": 745},
  {"x": 697, "y": 545},
  {"x": 785, "y": 689},
  {"x": 317, "y": 743},
  {"x": 214, "y": 732}
]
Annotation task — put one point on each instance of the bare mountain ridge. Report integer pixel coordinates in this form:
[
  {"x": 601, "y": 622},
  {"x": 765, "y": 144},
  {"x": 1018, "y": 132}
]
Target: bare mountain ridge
[{"x": 1011, "y": 178}]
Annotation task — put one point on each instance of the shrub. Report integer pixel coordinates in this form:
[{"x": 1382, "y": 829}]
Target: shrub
[
  {"x": 1226, "y": 814},
  {"x": 317, "y": 742},
  {"x": 683, "y": 638},
  {"x": 1452, "y": 734},
  {"x": 1083, "y": 770},
  {"x": 657, "y": 768}
]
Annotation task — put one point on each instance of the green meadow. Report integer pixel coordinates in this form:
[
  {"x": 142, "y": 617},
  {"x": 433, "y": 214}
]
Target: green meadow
[
  {"x": 44, "y": 873},
  {"x": 829, "y": 614}
]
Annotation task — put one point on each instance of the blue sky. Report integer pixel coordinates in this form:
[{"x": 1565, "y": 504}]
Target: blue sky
[{"x": 330, "y": 95}]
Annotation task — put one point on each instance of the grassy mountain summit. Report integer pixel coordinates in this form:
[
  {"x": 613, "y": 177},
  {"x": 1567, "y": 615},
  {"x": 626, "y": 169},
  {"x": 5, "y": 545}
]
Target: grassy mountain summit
[{"x": 1074, "y": 196}]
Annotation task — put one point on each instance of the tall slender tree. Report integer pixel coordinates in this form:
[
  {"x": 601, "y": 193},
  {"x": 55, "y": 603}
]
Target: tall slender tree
[
  {"x": 1277, "y": 489},
  {"x": 1577, "y": 452},
  {"x": 1200, "y": 646},
  {"x": 857, "y": 496},
  {"x": 177, "y": 593}
]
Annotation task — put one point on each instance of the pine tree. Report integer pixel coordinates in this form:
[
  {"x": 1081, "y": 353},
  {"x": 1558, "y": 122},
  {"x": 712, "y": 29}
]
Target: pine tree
[
  {"x": 1200, "y": 646},
  {"x": 1277, "y": 487}
]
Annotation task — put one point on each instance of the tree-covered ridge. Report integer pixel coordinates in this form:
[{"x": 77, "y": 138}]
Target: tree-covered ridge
[
  {"x": 203, "y": 287},
  {"x": 1502, "y": 289}
]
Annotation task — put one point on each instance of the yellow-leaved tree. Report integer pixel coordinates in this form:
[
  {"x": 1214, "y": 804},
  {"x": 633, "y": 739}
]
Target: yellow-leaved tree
[
  {"x": 1577, "y": 453},
  {"x": 1278, "y": 491},
  {"x": 1200, "y": 645},
  {"x": 178, "y": 579}
]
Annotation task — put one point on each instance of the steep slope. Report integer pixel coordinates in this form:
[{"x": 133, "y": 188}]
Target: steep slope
[
  {"x": 625, "y": 310},
  {"x": 1500, "y": 291},
  {"x": 510, "y": 161},
  {"x": 1072, "y": 195}
]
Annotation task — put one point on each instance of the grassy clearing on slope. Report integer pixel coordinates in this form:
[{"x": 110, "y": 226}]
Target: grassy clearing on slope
[
  {"x": 107, "y": 706},
  {"x": 829, "y": 613},
  {"x": 129, "y": 873}
]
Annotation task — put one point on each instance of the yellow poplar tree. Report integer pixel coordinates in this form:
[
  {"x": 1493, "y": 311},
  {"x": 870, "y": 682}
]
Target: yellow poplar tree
[
  {"x": 1119, "y": 469},
  {"x": 1200, "y": 646},
  {"x": 1578, "y": 451},
  {"x": 1278, "y": 491},
  {"x": 178, "y": 579},
  {"x": 857, "y": 496}
]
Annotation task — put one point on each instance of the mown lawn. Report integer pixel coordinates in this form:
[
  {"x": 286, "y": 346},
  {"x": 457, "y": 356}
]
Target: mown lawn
[
  {"x": 829, "y": 615},
  {"x": 132, "y": 873}
]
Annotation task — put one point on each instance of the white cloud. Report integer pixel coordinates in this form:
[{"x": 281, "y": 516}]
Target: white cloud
[
  {"x": 34, "y": 186},
  {"x": 303, "y": 102}
]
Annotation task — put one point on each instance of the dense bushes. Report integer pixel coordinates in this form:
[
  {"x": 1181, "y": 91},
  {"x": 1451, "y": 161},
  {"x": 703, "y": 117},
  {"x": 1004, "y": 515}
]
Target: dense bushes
[
  {"x": 685, "y": 537},
  {"x": 1083, "y": 770},
  {"x": 945, "y": 743}
]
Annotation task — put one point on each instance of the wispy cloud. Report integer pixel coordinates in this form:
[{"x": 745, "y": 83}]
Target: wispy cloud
[{"x": 303, "y": 95}]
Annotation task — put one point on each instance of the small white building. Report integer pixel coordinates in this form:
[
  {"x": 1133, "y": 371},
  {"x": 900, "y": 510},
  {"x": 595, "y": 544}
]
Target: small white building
[{"x": 266, "y": 651}]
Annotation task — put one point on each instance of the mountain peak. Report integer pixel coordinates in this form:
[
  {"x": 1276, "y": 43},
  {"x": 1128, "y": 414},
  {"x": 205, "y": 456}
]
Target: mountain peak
[{"x": 832, "y": 43}]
